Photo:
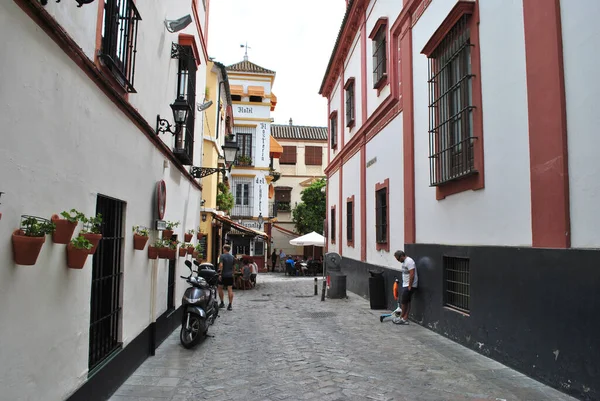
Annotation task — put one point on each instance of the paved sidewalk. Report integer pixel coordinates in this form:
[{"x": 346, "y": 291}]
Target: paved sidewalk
[{"x": 282, "y": 343}]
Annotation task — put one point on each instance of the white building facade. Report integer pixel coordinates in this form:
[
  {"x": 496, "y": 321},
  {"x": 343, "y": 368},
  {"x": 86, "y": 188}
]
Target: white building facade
[
  {"x": 461, "y": 132},
  {"x": 83, "y": 88}
]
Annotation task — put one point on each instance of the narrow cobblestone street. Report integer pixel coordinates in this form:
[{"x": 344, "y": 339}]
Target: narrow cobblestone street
[{"x": 282, "y": 343}]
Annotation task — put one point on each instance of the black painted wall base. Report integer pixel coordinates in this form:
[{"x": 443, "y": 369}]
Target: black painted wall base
[
  {"x": 535, "y": 310},
  {"x": 107, "y": 380}
]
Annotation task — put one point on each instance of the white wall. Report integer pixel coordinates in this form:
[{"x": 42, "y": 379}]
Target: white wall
[
  {"x": 499, "y": 214},
  {"x": 387, "y": 147},
  {"x": 352, "y": 70},
  {"x": 71, "y": 143},
  {"x": 580, "y": 33},
  {"x": 333, "y": 199},
  {"x": 334, "y": 101},
  {"x": 351, "y": 186}
]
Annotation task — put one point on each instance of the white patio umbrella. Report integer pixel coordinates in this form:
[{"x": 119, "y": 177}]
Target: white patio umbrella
[{"x": 313, "y": 238}]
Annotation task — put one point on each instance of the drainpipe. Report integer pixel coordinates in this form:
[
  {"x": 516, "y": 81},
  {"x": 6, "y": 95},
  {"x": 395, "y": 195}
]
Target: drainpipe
[{"x": 219, "y": 110}]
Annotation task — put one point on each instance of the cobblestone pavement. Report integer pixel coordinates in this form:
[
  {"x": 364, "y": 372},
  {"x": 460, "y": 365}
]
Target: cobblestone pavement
[{"x": 282, "y": 343}]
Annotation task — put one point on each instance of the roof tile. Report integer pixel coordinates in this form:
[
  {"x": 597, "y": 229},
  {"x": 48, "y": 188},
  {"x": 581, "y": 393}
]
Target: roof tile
[
  {"x": 247, "y": 66},
  {"x": 298, "y": 132}
]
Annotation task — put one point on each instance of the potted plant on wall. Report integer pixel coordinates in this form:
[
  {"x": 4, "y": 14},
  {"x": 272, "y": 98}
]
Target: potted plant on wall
[
  {"x": 188, "y": 236},
  {"x": 198, "y": 251},
  {"x": 140, "y": 237},
  {"x": 153, "y": 249},
  {"x": 182, "y": 250},
  {"x": 28, "y": 240},
  {"x": 171, "y": 250},
  {"x": 77, "y": 252},
  {"x": 244, "y": 160},
  {"x": 200, "y": 234},
  {"x": 66, "y": 226},
  {"x": 91, "y": 231},
  {"x": 224, "y": 198},
  {"x": 169, "y": 231},
  {"x": 190, "y": 248}
]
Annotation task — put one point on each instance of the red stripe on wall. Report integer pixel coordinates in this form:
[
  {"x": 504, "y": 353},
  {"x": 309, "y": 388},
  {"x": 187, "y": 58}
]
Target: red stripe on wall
[
  {"x": 363, "y": 202},
  {"x": 550, "y": 218},
  {"x": 340, "y": 224}
]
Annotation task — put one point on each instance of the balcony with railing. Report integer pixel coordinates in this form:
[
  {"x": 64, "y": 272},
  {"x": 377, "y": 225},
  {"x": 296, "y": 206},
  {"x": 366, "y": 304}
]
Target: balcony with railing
[{"x": 242, "y": 211}]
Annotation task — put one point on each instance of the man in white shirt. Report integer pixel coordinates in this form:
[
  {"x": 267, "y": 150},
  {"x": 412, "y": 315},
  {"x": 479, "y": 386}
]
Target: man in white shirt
[
  {"x": 410, "y": 282},
  {"x": 254, "y": 272}
]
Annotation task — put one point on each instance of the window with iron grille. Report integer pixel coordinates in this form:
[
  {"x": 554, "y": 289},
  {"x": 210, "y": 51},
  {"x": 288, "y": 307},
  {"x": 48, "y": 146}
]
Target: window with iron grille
[
  {"x": 244, "y": 138},
  {"x": 350, "y": 102},
  {"x": 171, "y": 286},
  {"x": 457, "y": 292},
  {"x": 243, "y": 195},
  {"x": 259, "y": 248},
  {"x": 313, "y": 155},
  {"x": 119, "y": 40},
  {"x": 350, "y": 221},
  {"x": 105, "y": 305},
  {"x": 333, "y": 225},
  {"x": 333, "y": 128},
  {"x": 381, "y": 216},
  {"x": 186, "y": 88},
  {"x": 288, "y": 156},
  {"x": 451, "y": 107},
  {"x": 380, "y": 56}
]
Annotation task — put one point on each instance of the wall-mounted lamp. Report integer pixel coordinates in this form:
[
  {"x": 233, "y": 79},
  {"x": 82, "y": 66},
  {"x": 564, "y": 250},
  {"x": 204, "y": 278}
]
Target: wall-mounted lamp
[
  {"x": 230, "y": 150},
  {"x": 181, "y": 109},
  {"x": 79, "y": 2},
  {"x": 261, "y": 220},
  {"x": 203, "y": 217}
]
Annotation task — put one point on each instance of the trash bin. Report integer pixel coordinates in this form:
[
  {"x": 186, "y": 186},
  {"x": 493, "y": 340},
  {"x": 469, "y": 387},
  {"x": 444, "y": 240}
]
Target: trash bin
[
  {"x": 377, "y": 290},
  {"x": 337, "y": 287}
]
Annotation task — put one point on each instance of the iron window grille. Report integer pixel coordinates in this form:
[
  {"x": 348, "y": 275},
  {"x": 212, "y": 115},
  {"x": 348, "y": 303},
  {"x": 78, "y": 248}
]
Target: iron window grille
[
  {"x": 379, "y": 56},
  {"x": 273, "y": 209},
  {"x": 457, "y": 291},
  {"x": 119, "y": 40},
  {"x": 381, "y": 211},
  {"x": 171, "y": 286},
  {"x": 350, "y": 221},
  {"x": 245, "y": 138},
  {"x": 105, "y": 305},
  {"x": 451, "y": 137},
  {"x": 350, "y": 103},
  {"x": 186, "y": 88},
  {"x": 333, "y": 225},
  {"x": 259, "y": 248},
  {"x": 333, "y": 131},
  {"x": 243, "y": 195}
]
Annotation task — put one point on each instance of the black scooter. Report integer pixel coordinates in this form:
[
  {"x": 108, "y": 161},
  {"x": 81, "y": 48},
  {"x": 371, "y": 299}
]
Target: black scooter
[{"x": 200, "y": 306}]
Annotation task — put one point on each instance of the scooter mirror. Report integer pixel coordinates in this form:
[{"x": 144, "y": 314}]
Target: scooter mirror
[
  {"x": 188, "y": 264},
  {"x": 196, "y": 263}
]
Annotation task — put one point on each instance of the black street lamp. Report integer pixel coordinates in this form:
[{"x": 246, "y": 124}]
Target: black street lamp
[
  {"x": 230, "y": 150},
  {"x": 181, "y": 109}
]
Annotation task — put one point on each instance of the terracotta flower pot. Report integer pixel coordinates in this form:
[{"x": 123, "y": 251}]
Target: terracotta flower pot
[
  {"x": 64, "y": 230},
  {"x": 94, "y": 239},
  {"x": 152, "y": 251},
  {"x": 188, "y": 237},
  {"x": 195, "y": 254},
  {"x": 190, "y": 249},
  {"x": 76, "y": 257},
  {"x": 167, "y": 234},
  {"x": 199, "y": 236},
  {"x": 182, "y": 252},
  {"x": 139, "y": 242},
  {"x": 170, "y": 254},
  {"x": 26, "y": 249},
  {"x": 162, "y": 252}
]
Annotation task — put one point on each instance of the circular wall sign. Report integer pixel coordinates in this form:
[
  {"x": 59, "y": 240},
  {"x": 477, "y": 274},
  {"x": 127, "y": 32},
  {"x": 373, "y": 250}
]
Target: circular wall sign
[{"x": 161, "y": 199}]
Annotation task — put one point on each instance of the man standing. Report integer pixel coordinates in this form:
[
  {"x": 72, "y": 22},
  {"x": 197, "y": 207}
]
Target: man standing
[
  {"x": 410, "y": 281},
  {"x": 226, "y": 275},
  {"x": 282, "y": 259},
  {"x": 273, "y": 260}
]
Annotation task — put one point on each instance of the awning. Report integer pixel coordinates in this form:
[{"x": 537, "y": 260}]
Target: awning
[
  {"x": 276, "y": 149},
  {"x": 242, "y": 228},
  {"x": 256, "y": 91},
  {"x": 237, "y": 89},
  {"x": 273, "y": 101}
]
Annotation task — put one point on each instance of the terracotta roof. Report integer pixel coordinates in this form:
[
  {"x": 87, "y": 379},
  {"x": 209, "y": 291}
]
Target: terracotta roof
[
  {"x": 247, "y": 66},
  {"x": 298, "y": 132}
]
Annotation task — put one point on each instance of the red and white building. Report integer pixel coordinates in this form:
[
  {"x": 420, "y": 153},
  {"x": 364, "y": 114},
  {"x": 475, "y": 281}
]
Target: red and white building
[{"x": 463, "y": 132}]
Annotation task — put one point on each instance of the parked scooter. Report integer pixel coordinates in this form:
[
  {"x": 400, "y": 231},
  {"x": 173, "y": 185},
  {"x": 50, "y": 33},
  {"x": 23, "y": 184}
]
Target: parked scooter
[{"x": 200, "y": 308}]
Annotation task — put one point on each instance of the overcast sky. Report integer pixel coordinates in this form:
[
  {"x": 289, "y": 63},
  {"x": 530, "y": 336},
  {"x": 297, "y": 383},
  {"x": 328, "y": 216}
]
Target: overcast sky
[{"x": 292, "y": 38}]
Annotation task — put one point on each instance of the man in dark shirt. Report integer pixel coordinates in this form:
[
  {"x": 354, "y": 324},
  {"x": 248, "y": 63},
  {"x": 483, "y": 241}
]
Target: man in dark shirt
[{"x": 226, "y": 275}]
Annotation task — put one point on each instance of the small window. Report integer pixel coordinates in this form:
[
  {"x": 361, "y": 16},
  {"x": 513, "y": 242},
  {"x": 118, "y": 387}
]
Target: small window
[
  {"x": 186, "y": 88},
  {"x": 256, "y": 99},
  {"x": 288, "y": 156},
  {"x": 259, "y": 248},
  {"x": 313, "y": 155},
  {"x": 244, "y": 142},
  {"x": 382, "y": 215},
  {"x": 236, "y": 98},
  {"x": 333, "y": 130},
  {"x": 350, "y": 103},
  {"x": 119, "y": 40},
  {"x": 379, "y": 37},
  {"x": 457, "y": 289},
  {"x": 332, "y": 231},
  {"x": 350, "y": 221}
]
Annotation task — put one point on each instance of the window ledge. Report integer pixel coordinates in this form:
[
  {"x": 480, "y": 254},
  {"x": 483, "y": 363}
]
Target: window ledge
[
  {"x": 350, "y": 124},
  {"x": 383, "y": 81},
  {"x": 383, "y": 246},
  {"x": 351, "y": 243},
  {"x": 473, "y": 181}
]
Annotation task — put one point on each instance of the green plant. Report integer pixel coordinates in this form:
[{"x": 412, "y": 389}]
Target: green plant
[
  {"x": 33, "y": 227},
  {"x": 171, "y": 244},
  {"x": 159, "y": 243},
  {"x": 199, "y": 248},
  {"x": 172, "y": 224},
  {"x": 309, "y": 214},
  {"x": 191, "y": 231},
  {"x": 81, "y": 243},
  {"x": 243, "y": 159},
  {"x": 74, "y": 216},
  {"x": 92, "y": 224},
  {"x": 224, "y": 198},
  {"x": 143, "y": 231}
]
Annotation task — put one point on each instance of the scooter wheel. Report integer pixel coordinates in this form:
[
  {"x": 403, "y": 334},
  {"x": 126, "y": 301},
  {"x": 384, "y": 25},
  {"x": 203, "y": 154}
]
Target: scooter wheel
[{"x": 381, "y": 319}]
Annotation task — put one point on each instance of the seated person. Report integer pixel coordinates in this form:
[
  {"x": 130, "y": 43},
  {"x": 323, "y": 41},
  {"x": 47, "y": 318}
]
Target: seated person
[{"x": 290, "y": 265}]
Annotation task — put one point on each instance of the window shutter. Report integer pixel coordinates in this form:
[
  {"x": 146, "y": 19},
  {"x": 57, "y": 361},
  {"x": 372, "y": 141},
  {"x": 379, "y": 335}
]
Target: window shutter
[
  {"x": 313, "y": 156},
  {"x": 289, "y": 155}
]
